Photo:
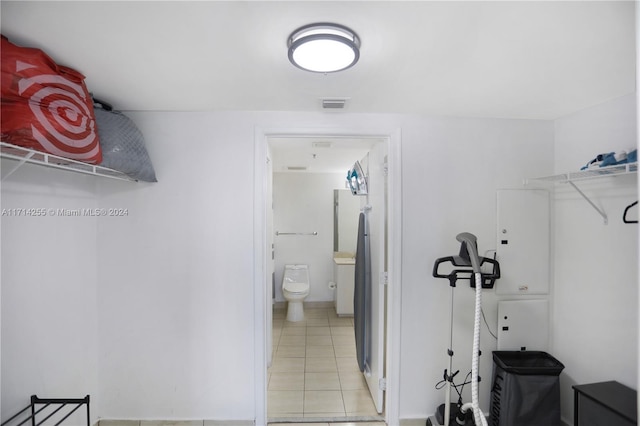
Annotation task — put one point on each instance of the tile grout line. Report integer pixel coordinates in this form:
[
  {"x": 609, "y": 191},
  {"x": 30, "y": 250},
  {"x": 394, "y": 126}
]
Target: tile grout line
[
  {"x": 334, "y": 332},
  {"x": 304, "y": 382}
]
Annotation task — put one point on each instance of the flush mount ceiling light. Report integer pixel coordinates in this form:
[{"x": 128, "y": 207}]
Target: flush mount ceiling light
[{"x": 324, "y": 48}]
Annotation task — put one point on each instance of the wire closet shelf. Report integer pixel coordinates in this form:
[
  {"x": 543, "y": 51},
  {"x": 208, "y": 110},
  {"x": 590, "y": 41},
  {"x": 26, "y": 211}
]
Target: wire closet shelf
[
  {"x": 588, "y": 174},
  {"x": 26, "y": 155},
  {"x": 580, "y": 175}
]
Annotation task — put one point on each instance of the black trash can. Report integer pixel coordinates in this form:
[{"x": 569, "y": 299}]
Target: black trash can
[{"x": 525, "y": 390}]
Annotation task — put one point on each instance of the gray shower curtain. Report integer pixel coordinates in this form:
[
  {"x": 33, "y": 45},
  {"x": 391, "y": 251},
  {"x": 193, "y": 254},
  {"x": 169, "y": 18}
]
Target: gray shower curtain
[{"x": 361, "y": 295}]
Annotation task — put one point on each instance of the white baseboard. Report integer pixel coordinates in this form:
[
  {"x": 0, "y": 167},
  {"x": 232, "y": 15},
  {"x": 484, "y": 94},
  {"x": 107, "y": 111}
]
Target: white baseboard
[{"x": 104, "y": 422}]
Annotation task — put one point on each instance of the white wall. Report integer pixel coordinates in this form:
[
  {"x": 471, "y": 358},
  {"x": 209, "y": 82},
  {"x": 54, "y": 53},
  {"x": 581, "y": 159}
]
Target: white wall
[
  {"x": 451, "y": 170},
  {"x": 637, "y": 9},
  {"x": 466, "y": 160},
  {"x": 303, "y": 202},
  {"x": 595, "y": 298},
  {"x": 49, "y": 288},
  {"x": 174, "y": 293},
  {"x": 175, "y": 296}
]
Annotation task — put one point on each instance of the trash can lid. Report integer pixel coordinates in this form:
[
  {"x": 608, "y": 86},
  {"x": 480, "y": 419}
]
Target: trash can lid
[{"x": 528, "y": 363}]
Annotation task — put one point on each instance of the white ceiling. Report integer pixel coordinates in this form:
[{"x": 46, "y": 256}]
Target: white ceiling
[
  {"x": 535, "y": 60},
  {"x": 531, "y": 60}
]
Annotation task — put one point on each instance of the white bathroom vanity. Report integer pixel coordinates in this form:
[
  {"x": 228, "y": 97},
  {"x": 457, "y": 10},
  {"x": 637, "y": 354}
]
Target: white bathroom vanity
[{"x": 344, "y": 275}]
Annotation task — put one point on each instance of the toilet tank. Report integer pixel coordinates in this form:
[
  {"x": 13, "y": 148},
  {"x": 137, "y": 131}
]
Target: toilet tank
[{"x": 295, "y": 274}]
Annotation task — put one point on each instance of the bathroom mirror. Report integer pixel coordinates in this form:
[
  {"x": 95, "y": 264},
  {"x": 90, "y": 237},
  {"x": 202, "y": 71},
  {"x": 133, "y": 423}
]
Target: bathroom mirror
[{"x": 345, "y": 220}]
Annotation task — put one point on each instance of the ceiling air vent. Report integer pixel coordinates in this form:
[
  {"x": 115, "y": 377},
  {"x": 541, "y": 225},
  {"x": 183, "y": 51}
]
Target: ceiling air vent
[
  {"x": 322, "y": 144},
  {"x": 296, "y": 168},
  {"x": 333, "y": 103}
]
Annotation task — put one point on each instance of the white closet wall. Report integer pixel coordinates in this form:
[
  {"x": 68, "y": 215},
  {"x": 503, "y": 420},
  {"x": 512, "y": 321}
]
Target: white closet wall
[
  {"x": 595, "y": 296},
  {"x": 49, "y": 288}
]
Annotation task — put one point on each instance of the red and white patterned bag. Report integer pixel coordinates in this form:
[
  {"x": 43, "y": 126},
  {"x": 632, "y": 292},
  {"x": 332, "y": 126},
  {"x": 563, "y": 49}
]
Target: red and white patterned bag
[{"x": 46, "y": 106}]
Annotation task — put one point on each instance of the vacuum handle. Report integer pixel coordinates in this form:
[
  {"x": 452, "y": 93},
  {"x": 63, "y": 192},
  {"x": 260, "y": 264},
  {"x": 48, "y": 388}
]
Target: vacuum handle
[{"x": 470, "y": 243}]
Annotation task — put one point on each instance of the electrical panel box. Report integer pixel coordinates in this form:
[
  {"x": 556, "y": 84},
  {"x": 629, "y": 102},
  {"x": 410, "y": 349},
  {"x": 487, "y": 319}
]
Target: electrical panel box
[
  {"x": 523, "y": 241},
  {"x": 523, "y": 325}
]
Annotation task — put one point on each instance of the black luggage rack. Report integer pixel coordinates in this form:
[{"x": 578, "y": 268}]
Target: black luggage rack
[{"x": 54, "y": 410}]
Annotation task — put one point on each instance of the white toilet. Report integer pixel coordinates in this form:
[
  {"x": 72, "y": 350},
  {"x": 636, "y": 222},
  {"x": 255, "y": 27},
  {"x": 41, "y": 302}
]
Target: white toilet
[{"x": 295, "y": 287}]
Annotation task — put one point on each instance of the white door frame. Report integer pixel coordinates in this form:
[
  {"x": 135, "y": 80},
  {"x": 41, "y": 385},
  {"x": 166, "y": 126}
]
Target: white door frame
[{"x": 262, "y": 292}]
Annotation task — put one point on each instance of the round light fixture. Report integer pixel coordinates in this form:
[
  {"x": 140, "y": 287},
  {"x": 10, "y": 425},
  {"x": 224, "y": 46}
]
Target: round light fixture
[{"x": 324, "y": 48}]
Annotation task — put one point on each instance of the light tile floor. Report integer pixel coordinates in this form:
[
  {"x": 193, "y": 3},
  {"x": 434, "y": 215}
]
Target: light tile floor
[{"x": 314, "y": 373}]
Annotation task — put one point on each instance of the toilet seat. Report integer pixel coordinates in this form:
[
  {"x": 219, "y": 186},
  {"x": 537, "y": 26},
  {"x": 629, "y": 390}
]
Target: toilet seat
[{"x": 296, "y": 288}]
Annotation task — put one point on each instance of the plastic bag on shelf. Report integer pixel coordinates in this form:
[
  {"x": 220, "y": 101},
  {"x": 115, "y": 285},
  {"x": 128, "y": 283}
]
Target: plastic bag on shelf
[
  {"x": 46, "y": 106},
  {"x": 123, "y": 146}
]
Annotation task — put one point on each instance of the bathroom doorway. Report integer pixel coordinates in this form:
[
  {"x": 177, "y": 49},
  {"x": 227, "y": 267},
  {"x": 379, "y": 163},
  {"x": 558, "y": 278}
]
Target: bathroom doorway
[{"x": 304, "y": 163}]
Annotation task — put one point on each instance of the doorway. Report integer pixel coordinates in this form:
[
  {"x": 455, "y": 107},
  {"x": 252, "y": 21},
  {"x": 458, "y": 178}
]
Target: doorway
[{"x": 381, "y": 374}]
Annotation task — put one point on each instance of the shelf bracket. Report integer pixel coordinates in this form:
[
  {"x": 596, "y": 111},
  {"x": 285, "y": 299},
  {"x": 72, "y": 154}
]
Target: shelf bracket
[
  {"x": 603, "y": 214},
  {"x": 20, "y": 164}
]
